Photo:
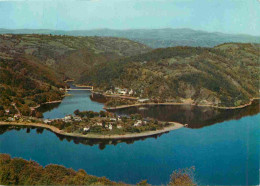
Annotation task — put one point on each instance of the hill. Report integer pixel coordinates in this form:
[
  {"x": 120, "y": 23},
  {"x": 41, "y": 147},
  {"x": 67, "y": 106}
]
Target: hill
[
  {"x": 226, "y": 75},
  {"x": 33, "y": 67},
  {"x": 68, "y": 55},
  {"x": 155, "y": 38}
]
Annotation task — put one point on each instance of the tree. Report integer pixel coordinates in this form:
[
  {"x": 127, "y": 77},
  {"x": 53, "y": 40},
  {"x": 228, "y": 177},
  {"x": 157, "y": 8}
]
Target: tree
[
  {"x": 39, "y": 115},
  {"x": 102, "y": 113},
  {"x": 183, "y": 177},
  {"x": 77, "y": 112}
]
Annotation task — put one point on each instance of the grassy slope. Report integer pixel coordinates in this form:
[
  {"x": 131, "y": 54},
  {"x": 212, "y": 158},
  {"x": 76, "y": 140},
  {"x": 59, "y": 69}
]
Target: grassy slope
[{"x": 227, "y": 75}]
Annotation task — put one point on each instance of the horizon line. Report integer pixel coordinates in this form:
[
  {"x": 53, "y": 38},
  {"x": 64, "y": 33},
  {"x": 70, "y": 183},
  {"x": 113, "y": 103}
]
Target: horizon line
[{"x": 126, "y": 29}]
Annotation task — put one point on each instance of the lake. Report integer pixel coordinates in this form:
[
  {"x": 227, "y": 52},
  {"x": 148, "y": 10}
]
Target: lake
[
  {"x": 77, "y": 99},
  {"x": 223, "y": 146}
]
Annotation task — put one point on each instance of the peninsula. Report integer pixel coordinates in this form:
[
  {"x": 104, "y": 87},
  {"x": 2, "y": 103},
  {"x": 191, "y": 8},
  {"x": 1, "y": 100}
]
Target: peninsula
[{"x": 94, "y": 125}]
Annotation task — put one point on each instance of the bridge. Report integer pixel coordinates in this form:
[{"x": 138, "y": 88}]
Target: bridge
[{"x": 79, "y": 89}]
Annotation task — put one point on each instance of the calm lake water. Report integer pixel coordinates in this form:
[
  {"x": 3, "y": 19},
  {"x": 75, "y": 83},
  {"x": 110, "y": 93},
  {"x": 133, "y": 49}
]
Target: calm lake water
[
  {"x": 223, "y": 147},
  {"x": 77, "y": 100}
]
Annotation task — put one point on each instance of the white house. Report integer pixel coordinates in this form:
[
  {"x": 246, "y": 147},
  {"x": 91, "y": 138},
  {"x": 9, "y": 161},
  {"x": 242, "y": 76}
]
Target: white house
[
  {"x": 143, "y": 100},
  {"x": 17, "y": 116},
  {"x": 46, "y": 121},
  {"x": 112, "y": 119},
  {"x": 124, "y": 92},
  {"x": 77, "y": 118},
  {"x": 67, "y": 117},
  {"x": 119, "y": 126},
  {"x": 131, "y": 92},
  {"x": 86, "y": 129},
  {"x": 138, "y": 123},
  {"x": 110, "y": 127},
  {"x": 98, "y": 124}
]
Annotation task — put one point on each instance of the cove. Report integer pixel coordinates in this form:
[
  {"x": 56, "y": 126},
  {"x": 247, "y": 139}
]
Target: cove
[{"x": 76, "y": 100}]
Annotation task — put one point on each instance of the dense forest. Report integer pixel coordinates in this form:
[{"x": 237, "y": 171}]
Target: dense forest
[
  {"x": 26, "y": 84},
  {"x": 226, "y": 75},
  {"x": 17, "y": 171}
]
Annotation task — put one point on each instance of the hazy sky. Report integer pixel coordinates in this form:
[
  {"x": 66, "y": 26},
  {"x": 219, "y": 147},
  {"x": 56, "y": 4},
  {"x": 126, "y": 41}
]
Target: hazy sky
[{"x": 228, "y": 16}]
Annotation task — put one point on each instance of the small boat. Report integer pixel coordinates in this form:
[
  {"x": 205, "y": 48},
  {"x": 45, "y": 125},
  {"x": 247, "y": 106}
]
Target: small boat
[{"x": 142, "y": 108}]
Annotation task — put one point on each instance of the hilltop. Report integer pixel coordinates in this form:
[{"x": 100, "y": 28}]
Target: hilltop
[
  {"x": 226, "y": 75},
  {"x": 154, "y": 38}
]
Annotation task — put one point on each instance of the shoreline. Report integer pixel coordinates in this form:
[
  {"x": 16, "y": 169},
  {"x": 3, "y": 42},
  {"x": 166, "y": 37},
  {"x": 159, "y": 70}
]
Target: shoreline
[
  {"x": 45, "y": 103},
  {"x": 192, "y": 104},
  {"x": 175, "y": 126}
]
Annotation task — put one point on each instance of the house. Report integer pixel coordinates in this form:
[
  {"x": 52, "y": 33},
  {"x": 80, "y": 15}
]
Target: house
[
  {"x": 98, "y": 124},
  {"x": 112, "y": 119},
  {"x": 7, "y": 111},
  {"x": 143, "y": 100},
  {"x": 10, "y": 119},
  {"x": 46, "y": 121},
  {"x": 86, "y": 129},
  {"x": 138, "y": 123},
  {"x": 67, "y": 117},
  {"x": 110, "y": 127},
  {"x": 77, "y": 118},
  {"x": 17, "y": 116},
  {"x": 109, "y": 92},
  {"x": 124, "y": 92},
  {"x": 119, "y": 126},
  {"x": 131, "y": 92}
]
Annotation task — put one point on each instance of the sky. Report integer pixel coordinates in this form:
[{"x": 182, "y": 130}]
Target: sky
[{"x": 227, "y": 16}]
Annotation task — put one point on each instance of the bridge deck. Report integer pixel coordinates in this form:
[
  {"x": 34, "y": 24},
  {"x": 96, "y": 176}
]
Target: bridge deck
[{"x": 79, "y": 89}]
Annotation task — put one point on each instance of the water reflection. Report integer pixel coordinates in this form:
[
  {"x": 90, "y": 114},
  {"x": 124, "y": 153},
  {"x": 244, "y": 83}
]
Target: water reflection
[
  {"x": 77, "y": 140},
  {"x": 48, "y": 107},
  {"x": 98, "y": 98},
  {"x": 195, "y": 116}
]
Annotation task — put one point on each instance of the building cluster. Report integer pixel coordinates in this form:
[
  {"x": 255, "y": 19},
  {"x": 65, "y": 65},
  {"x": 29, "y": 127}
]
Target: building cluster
[
  {"x": 122, "y": 91},
  {"x": 108, "y": 123},
  {"x": 11, "y": 117},
  {"x": 66, "y": 119}
]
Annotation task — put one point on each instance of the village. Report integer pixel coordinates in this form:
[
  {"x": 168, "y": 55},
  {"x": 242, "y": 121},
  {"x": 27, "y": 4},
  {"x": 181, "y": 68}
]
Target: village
[
  {"x": 84, "y": 122},
  {"x": 105, "y": 123}
]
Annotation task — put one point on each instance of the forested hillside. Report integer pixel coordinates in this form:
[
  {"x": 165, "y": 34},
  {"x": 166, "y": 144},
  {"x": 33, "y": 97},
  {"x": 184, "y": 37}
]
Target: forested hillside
[
  {"x": 68, "y": 55},
  {"x": 26, "y": 83},
  {"x": 17, "y": 171},
  {"x": 227, "y": 75},
  {"x": 33, "y": 67}
]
